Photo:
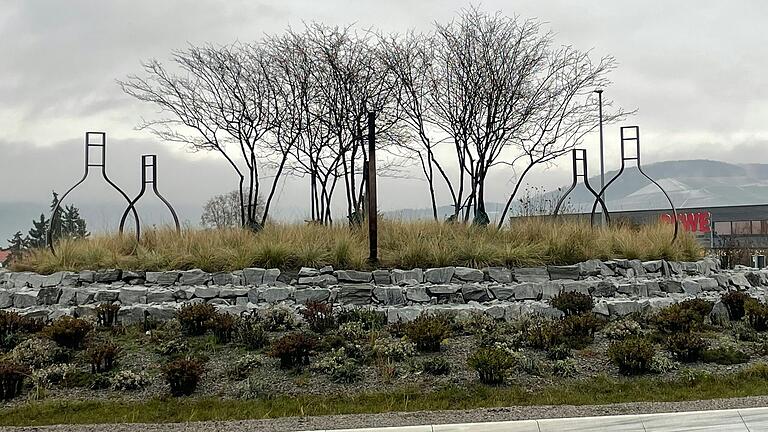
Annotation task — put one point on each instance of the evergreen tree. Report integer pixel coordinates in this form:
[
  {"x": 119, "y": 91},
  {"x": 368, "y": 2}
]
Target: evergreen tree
[
  {"x": 18, "y": 245},
  {"x": 72, "y": 225},
  {"x": 38, "y": 234}
]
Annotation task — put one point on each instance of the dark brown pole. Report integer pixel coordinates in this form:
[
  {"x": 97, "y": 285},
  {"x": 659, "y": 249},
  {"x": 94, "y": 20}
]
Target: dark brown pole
[{"x": 373, "y": 240}]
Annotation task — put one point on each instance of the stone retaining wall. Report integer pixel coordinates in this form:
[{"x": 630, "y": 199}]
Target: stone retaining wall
[{"x": 620, "y": 287}]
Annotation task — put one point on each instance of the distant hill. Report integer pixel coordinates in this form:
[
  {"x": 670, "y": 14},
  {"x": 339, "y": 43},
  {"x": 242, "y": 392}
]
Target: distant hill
[{"x": 690, "y": 183}]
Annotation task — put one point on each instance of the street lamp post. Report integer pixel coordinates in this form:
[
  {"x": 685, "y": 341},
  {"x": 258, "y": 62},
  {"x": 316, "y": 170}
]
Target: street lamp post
[{"x": 602, "y": 159}]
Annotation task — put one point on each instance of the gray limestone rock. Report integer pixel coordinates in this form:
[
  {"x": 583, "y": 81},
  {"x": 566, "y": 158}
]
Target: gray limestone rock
[
  {"x": 194, "y": 277},
  {"x": 671, "y": 286},
  {"x": 359, "y": 294},
  {"x": 308, "y": 272},
  {"x": 503, "y": 292},
  {"x": 440, "y": 275},
  {"x": 270, "y": 276},
  {"x": 6, "y": 298},
  {"x": 223, "y": 278},
  {"x": 605, "y": 288},
  {"x": 623, "y": 308},
  {"x": 527, "y": 291},
  {"x": 132, "y": 295},
  {"x": 230, "y": 292},
  {"x": 654, "y": 266},
  {"x": 531, "y": 274},
  {"x": 353, "y": 276},
  {"x": 564, "y": 272},
  {"x": 162, "y": 295},
  {"x": 399, "y": 276},
  {"x": 417, "y": 294},
  {"x": 719, "y": 315},
  {"x": 87, "y": 276},
  {"x": 206, "y": 292},
  {"x": 498, "y": 274},
  {"x": 475, "y": 292},
  {"x": 390, "y": 296},
  {"x": 739, "y": 280},
  {"x": 106, "y": 295},
  {"x": 108, "y": 275},
  {"x": 707, "y": 283},
  {"x": 25, "y": 298},
  {"x": 305, "y": 295},
  {"x": 322, "y": 280},
  {"x": 254, "y": 276},
  {"x": 48, "y": 295},
  {"x": 274, "y": 294},
  {"x": 466, "y": 274},
  {"x": 381, "y": 277}
]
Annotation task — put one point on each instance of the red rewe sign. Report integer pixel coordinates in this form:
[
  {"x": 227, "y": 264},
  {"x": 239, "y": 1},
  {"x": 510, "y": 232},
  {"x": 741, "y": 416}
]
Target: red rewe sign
[{"x": 691, "y": 222}]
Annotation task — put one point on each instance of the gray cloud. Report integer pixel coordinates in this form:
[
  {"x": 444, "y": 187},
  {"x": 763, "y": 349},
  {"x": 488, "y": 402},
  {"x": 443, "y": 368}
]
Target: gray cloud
[{"x": 694, "y": 69}]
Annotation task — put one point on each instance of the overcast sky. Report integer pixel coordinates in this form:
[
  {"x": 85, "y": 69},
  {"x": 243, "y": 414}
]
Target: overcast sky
[{"x": 697, "y": 71}]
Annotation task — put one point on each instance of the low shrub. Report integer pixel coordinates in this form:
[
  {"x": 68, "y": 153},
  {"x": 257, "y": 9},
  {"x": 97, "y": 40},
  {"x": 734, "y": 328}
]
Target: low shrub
[
  {"x": 478, "y": 324},
  {"x": 11, "y": 379},
  {"x": 106, "y": 314},
  {"x": 725, "y": 355},
  {"x": 52, "y": 375},
  {"x": 102, "y": 355},
  {"x": 339, "y": 366},
  {"x": 686, "y": 348},
  {"x": 196, "y": 318},
  {"x": 743, "y": 332},
  {"x": 250, "y": 332},
  {"x": 558, "y": 352},
  {"x": 279, "y": 318},
  {"x": 394, "y": 349},
  {"x": 68, "y": 332},
  {"x": 759, "y": 369},
  {"x": 293, "y": 349},
  {"x": 243, "y": 366},
  {"x": 491, "y": 364},
  {"x": 319, "y": 316},
  {"x": 172, "y": 347},
  {"x": 36, "y": 353},
  {"x": 222, "y": 326},
  {"x": 427, "y": 331},
  {"x": 633, "y": 355},
  {"x": 371, "y": 319},
  {"x": 579, "y": 330},
  {"x": 352, "y": 331},
  {"x": 682, "y": 317},
  {"x": 734, "y": 302},
  {"x": 756, "y": 313},
  {"x": 573, "y": 303},
  {"x": 13, "y": 327},
  {"x": 126, "y": 380},
  {"x": 397, "y": 329},
  {"x": 565, "y": 368},
  {"x": 661, "y": 363},
  {"x": 435, "y": 366},
  {"x": 183, "y": 375},
  {"x": 622, "y": 329},
  {"x": 526, "y": 363}
]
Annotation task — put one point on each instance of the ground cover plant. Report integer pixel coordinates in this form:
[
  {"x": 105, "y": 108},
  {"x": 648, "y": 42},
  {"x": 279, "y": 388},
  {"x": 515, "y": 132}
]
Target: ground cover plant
[
  {"x": 275, "y": 363},
  {"x": 526, "y": 242}
]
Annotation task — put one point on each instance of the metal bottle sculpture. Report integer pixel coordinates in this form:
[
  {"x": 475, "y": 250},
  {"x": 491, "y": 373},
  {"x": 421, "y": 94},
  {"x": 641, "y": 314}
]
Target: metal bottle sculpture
[
  {"x": 98, "y": 141},
  {"x": 148, "y": 162},
  {"x": 579, "y": 157},
  {"x": 626, "y": 138}
]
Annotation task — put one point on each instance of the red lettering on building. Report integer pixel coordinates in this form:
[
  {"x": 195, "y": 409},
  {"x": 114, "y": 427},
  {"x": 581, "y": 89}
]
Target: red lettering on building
[{"x": 691, "y": 222}]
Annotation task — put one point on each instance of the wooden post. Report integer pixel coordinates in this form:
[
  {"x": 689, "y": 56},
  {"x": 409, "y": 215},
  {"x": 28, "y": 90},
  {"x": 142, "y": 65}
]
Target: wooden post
[{"x": 373, "y": 240}]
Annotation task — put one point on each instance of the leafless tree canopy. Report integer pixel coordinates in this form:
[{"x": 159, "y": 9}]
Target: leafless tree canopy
[
  {"x": 223, "y": 211},
  {"x": 462, "y": 100}
]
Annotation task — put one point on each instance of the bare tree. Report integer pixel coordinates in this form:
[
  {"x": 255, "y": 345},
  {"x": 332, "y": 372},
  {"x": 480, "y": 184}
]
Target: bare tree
[
  {"x": 220, "y": 103},
  {"x": 223, "y": 211}
]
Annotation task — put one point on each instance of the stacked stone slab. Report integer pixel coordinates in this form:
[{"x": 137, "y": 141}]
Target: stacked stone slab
[{"x": 620, "y": 287}]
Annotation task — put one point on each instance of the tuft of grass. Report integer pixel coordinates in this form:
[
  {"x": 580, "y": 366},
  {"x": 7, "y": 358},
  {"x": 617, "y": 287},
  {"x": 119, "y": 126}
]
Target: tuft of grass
[
  {"x": 594, "y": 391},
  {"x": 525, "y": 242}
]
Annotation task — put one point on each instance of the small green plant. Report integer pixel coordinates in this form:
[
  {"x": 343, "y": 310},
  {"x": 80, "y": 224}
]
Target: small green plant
[
  {"x": 622, "y": 329},
  {"x": 428, "y": 331},
  {"x": 353, "y": 331},
  {"x": 558, "y": 352},
  {"x": 52, "y": 375},
  {"x": 371, "y": 319},
  {"x": 579, "y": 330},
  {"x": 725, "y": 355},
  {"x": 293, "y": 349},
  {"x": 223, "y": 326},
  {"x": 339, "y": 366},
  {"x": 491, "y": 364},
  {"x": 734, "y": 301},
  {"x": 11, "y": 379},
  {"x": 36, "y": 353},
  {"x": 756, "y": 314},
  {"x": 106, "y": 314},
  {"x": 68, "y": 332},
  {"x": 250, "y": 332},
  {"x": 279, "y": 318},
  {"x": 196, "y": 318},
  {"x": 661, "y": 363},
  {"x": 172, "y": 347},
  {"x": 14, "y": 326},
  {"x": 243, "y": 366},
  {"x": 435, "y": 366},
  {"x": 686, "y": 348},
  {"x": 478, "y": 324},
  {"x": 319, "y": 316},
  {"x": 394, "y": 349},
  {"x": 565, "y": 368},
  {"x": 102, "y": 355},
  {"x": 126, "y": 380},
  {"x": 573, "y": 303},
  {"x": 633, "y": 356},
  {"x": 183, "y": 375}
]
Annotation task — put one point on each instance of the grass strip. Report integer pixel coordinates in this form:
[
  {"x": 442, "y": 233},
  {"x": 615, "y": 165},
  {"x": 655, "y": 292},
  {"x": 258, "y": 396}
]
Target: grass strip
[{"x": 595, "y": 391}]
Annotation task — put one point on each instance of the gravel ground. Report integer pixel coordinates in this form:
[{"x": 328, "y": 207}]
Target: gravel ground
[{"x": 418, "y": 418}]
